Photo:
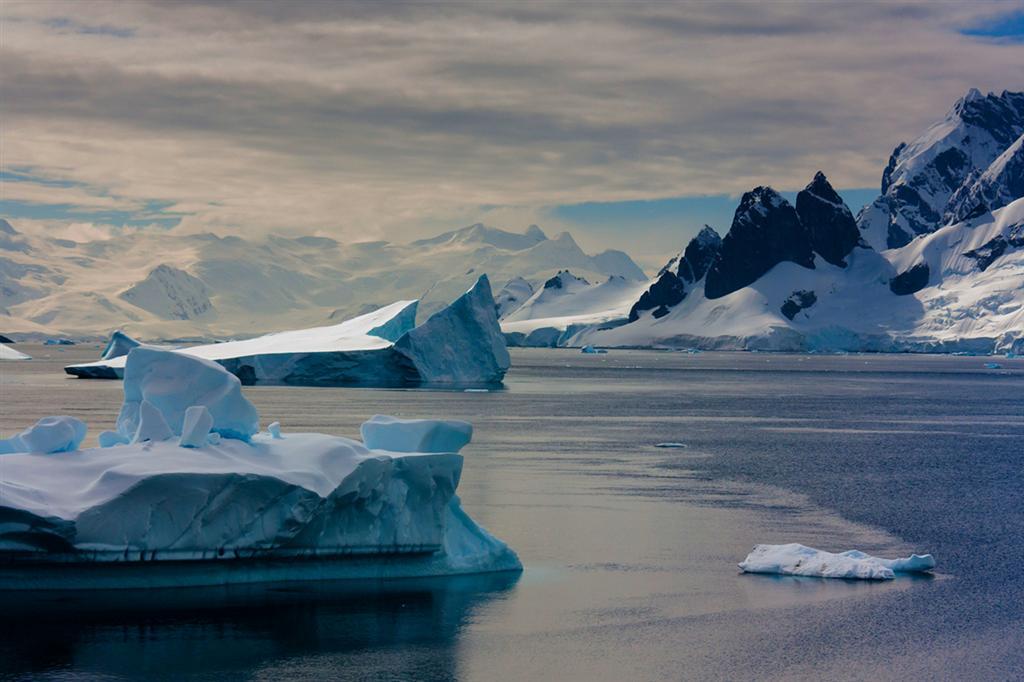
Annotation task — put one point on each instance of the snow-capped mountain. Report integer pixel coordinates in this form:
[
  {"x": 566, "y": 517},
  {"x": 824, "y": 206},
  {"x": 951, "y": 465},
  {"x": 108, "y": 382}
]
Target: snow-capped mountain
[
  {"x": 156, "y": 284},
  {"x": 967, "y": 163},
  {"x": 936, "y": 263}
]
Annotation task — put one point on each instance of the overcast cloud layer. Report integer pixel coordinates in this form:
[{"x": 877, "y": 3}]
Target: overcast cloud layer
[{"x": 392, "y": 120}]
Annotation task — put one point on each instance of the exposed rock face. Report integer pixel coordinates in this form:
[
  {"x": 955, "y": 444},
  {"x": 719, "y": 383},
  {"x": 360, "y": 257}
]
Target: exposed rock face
[
  {"x": 992, "y": 250},
  {"x": 911, "y": 280},
  {"x": 828, "y": 220},
  {"x": 797, "y": 301},
  {"x": 667, "y": 291},
  {"x": 686, "y": 268},
  {"x": 996, "y": 186},
  {"x": 937, "y": 179},
  {"x": 699, "y": 254},
  {"x": 766, "y": 231}
]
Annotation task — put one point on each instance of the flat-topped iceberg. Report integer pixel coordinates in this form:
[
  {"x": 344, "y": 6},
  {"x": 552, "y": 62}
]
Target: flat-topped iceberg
[
  {"x": 461, "y": 344},
  {"x": 189, "y": 492},
  {"x": 797, "y": 559}
]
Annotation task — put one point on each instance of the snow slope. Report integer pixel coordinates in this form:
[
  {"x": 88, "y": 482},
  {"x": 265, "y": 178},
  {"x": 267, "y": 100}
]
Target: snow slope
[
  {"x": 157, "y": 284},
  {"x": 330, "y": 505},
  {"x": 461, "y": 344}
]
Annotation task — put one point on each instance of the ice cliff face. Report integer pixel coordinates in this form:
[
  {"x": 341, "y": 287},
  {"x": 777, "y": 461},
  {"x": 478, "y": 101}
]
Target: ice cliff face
[
  {"x": 931, "y": 181},
  {"x": 228, "y": 499}
]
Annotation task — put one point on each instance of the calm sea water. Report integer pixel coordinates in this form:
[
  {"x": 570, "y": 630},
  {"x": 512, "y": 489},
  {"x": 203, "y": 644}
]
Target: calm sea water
[{"x": 630, "y": 550}]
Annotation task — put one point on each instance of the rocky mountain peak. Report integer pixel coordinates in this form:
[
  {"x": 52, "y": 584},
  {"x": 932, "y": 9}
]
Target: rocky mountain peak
[{"x": 829, "y": 223}]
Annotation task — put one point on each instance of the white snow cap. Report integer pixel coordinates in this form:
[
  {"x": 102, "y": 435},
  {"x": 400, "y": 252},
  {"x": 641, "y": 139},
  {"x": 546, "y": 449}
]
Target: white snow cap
[{"x": 797, "y": 559}]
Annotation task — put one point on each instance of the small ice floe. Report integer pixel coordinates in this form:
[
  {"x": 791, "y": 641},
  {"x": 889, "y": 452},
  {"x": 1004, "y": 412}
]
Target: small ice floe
[
  {"x": 993, "y": 365},
  {"x": 796, "y": 559},
  {"x": 670, "y": 444},
  {"x": 476, "y": 390},
  {"x": 590, "y": 350}
]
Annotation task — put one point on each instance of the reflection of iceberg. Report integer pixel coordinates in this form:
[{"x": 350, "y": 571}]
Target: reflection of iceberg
[
  {"x": 240, "y": 629},
  {"x": 461, "y": 344},
  {"x": 796, "y": 559},
  {"x": 241, "y": 507}
]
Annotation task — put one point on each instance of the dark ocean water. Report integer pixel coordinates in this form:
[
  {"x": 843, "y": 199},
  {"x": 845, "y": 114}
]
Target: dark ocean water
[{"x": 629, "y": 549}]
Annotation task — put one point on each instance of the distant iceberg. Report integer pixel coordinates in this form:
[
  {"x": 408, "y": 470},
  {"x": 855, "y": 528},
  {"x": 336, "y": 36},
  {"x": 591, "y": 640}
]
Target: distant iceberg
[
  {"x": 170, "y": 505},
  {"x": 8, "y": 353},
  {"x": 461, "y": 344},
  {"x": 796, "y": 559}
]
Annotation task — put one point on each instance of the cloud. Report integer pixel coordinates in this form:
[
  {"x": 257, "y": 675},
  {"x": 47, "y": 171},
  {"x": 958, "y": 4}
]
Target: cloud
[{"x": 388, "y": 119}]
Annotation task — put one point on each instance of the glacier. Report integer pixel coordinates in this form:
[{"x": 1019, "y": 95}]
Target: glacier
[
  {"x": 797, "y": 559},
  {"x": 245, "y": 507},
  {"x": 461, "y": 344}
]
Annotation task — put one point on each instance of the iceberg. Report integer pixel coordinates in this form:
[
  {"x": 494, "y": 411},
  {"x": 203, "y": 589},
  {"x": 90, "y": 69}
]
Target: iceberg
[
  {"x": 415, "y": 435},
  {"x": 48, "y": 435},
  {"x": 234, "y": 505},
  {"x": 461, "y": 344},
  {"x": 8, "y": 353},
  {"x": 797, "y": 559}
]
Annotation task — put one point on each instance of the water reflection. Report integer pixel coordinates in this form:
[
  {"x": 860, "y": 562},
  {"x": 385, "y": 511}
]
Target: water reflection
[{"x": 392, "y": 629}]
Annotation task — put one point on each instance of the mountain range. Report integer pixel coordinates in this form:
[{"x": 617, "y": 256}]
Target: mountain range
[
  {"x": 158, "y": 285},
  {"x": 935, "y": 263}
]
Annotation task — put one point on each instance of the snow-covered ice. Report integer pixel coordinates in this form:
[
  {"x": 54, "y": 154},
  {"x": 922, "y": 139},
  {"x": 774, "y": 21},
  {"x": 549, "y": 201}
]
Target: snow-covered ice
[
  {"x": 460, "y": 344},
  {"x": 274, "y": 429},
  {"x": 383, "y": 432},
  {"x": 227, "y": 510},
  {"x": 173, "y": 382},
  {"x": 48, "y": 435},
  {"x": 8, "y": 353},
  {"x": 797, "y": 559}
]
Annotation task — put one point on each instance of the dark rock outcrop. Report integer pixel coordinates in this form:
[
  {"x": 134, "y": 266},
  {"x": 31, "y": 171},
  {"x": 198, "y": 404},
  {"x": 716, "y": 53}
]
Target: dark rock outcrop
[
  {"x": 829, "y": 223},
  {"x": 911, "y": 280},
  {"x": 766, "y": 231},
  {"x": 686, "y": 268},
  {"x": 667, "y": 291},
  {"x": 990, "y": 251},
  {"x": 797, "y": 301}
]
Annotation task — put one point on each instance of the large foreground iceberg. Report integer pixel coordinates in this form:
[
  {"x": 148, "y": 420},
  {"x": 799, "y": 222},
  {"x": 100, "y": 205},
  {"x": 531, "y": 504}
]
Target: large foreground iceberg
[
  {"x": 797, "y": 559},
  {"x": 169, "y": 505},
  {"x": 461, "y": 344}
]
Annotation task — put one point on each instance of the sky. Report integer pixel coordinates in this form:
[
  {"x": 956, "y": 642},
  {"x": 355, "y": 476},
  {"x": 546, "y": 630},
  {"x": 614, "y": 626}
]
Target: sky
[{"x": 631, "y": 124}]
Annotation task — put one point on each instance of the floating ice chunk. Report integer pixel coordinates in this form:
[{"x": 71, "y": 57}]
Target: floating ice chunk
[
  {"x": 993, "y": 365},
  {"x": 671, "y": 444},
  {"x": 383, "y": 432},
  {"x": 48, "y": 435},
  {"x": 274, "y": 429},
  {"x": 196, "y": 427},
  {"x": 109, "y": 439},
  {"x": 590, "y": 350},
  {"x": 151, "y": 424},
  {"x": 173, "y": 382},
  {"x": 119, "y": 344},
  {"x": 796, "y": 559}
]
